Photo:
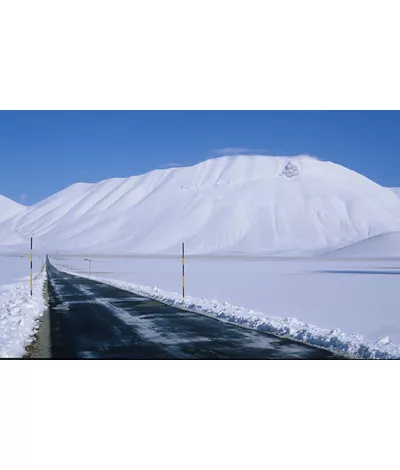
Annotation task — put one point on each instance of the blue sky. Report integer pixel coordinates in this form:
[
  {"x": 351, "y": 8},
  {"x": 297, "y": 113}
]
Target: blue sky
[{"x": 42, "y": 152}]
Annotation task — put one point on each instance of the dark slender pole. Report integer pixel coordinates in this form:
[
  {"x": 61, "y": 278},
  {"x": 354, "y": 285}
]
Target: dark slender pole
[
  {"x": 31, "y": 265},
  {"x": 183, "y": 270}
]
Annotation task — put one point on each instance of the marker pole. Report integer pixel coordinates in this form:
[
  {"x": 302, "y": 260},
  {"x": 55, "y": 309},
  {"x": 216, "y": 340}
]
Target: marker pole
[
  {"x": 183, "y": 270},
  {"x": 31, "y": 265}
]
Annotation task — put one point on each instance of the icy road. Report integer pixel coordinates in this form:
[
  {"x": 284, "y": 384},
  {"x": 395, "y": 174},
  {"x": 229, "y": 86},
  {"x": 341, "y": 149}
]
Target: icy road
[{"x": 93, "y": 320}]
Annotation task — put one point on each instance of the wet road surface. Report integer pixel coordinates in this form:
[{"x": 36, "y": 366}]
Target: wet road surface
[{"x": 93, "y": 320}]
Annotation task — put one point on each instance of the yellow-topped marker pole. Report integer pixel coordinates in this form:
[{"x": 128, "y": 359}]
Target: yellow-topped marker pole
[
  {"x": 31, "y": 265},
  {"x": 183, "y": 270}
]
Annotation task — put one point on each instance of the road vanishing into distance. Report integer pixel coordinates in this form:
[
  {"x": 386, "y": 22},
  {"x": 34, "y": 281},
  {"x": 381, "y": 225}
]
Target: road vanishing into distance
[{"x": 88, "y": 319}]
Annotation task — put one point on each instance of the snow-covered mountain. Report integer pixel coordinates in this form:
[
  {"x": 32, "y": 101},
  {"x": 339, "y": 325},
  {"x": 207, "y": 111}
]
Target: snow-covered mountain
[
  {"x": 9, "y": 208},
  {"x": 229, "y": 204}
]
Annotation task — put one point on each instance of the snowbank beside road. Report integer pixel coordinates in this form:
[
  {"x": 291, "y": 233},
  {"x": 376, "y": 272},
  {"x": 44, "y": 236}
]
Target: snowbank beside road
[
  {"x": 19, "y": 315},
  {"x": 357, "y": 296}
]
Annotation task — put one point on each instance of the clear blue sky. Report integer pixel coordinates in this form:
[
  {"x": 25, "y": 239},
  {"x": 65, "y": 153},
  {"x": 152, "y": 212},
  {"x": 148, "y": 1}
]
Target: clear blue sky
[{"x": 41, "y": 152}]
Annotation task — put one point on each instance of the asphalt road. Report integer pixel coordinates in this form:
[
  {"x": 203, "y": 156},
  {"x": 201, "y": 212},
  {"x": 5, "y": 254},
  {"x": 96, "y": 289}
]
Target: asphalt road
[{"x": 93, "y": 320}]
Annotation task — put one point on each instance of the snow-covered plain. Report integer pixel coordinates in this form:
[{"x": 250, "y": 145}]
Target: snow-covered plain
[
  {"x": 19, "y": 312},
  {"x": 348, "y": 306},
  {"x": 15, "y": 268}
]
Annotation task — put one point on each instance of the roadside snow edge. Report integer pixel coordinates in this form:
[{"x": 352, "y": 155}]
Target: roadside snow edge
[{"x": 348, "y": 345}]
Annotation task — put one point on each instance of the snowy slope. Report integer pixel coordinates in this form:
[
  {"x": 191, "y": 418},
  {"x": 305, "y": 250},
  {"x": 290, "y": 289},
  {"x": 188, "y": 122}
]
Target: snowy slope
[
  {"x": 396, "y": 191},
  {"x": 246, "y": 204},
  {"x": 385, "y": 245},
  {"x": 9, "y": 208}
]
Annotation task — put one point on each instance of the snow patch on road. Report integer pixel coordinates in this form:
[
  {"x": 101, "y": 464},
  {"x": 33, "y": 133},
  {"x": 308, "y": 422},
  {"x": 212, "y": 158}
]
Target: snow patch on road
[
  {"x": 353, "y": 346},
  {"x": 19, "y": 315}
]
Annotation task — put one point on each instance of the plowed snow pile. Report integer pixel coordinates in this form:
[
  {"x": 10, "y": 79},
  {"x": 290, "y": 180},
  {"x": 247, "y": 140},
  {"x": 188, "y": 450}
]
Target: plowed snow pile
[{"x": 19, "y": 312}]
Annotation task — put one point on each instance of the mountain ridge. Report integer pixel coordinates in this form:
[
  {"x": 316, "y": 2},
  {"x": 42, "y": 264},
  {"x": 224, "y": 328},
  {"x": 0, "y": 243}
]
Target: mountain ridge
[{"x": 242, "y": 203}]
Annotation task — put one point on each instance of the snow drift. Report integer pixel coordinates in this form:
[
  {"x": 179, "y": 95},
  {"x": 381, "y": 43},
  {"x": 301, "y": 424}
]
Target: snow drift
[
  {"x": 386, "y": 245},
  {"x": 247, "y": 204}
]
